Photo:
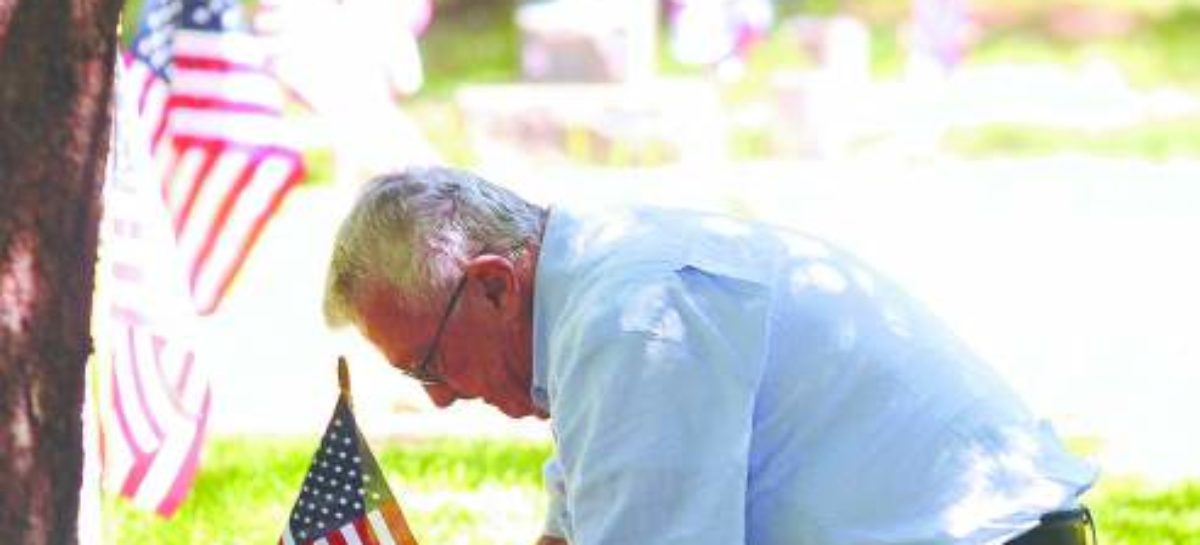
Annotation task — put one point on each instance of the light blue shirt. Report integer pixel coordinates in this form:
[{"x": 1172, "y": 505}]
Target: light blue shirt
[{"x": 712, "y": 381}]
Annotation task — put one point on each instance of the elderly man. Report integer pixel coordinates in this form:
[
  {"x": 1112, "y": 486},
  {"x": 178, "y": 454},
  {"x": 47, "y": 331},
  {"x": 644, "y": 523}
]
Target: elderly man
[{"x": 708, "y": 380}]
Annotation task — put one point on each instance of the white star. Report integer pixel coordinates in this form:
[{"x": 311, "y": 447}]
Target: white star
[{"x": 201, "y": 16}]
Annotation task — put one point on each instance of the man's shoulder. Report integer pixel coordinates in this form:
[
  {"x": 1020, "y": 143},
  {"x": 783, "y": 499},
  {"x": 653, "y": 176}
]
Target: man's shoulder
[{"x": 580, "y": 237}]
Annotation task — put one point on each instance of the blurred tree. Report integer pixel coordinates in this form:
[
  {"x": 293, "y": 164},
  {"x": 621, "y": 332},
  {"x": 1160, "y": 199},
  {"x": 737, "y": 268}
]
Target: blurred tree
[{"x": 56, "y": 69}]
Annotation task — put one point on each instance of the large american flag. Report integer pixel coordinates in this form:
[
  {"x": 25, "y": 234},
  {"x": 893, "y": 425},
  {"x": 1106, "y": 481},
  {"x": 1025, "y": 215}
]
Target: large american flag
[
  {"x": 345, "y": 499},
  {"x": 153, "y": 402},
  {"x": 215, "y": 131}
]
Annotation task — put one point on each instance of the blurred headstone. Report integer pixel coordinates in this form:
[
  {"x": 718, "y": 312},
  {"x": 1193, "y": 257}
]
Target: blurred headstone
[
  {"x": 587, "y": 40},
  {"x": 824, "y": 110},
  {"x": 643, "y": 123}
]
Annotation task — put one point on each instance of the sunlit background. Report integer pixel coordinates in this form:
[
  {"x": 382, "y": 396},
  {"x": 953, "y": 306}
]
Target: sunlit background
[{"x": 1030, "y": 169}]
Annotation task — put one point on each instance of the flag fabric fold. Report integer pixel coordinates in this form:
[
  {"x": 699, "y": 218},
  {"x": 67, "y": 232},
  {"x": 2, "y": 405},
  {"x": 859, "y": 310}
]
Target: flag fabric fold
[
  {"x": 153, "y": 400},
  {"x": 344, "y": 499},
  {"x": 213, "y": 115},
  {"x": 198, "y": 165}
]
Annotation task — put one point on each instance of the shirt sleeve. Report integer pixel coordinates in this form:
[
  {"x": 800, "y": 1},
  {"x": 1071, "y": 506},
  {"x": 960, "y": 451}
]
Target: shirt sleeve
[
  {"x": 556, "y": 510},
  {"x": 653, "y": 411}
]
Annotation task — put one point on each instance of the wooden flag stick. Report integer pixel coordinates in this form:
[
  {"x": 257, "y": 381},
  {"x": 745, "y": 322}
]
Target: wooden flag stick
[{"x": 344, "y": 377}]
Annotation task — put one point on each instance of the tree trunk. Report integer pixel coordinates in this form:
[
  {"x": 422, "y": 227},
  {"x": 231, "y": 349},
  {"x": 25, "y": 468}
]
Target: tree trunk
[{"x": 56, "y": 69}]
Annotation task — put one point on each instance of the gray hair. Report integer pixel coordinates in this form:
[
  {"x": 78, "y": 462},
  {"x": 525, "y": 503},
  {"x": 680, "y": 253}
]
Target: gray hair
[{"x": 411, "y": 231}]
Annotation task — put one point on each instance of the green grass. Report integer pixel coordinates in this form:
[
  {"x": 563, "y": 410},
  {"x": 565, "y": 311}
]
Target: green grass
[
  {"x": 1130, "y": 512},
  {"x": 470, "y": 42},
  {"x": 487, "y": 491},
  {"x": 451, "y": 491},
  {"x": 1161, "y": 49},
  {"x": 1161, "y": 140}
]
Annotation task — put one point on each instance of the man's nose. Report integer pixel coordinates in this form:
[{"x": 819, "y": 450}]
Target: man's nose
[{"x": 441, "y": 395}]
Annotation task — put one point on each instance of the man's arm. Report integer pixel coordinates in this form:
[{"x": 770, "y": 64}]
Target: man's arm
[
  {"x": 551, "y": 540},
  {"x": 653, "y": 414},
  {"x": 556, "y": 508}
]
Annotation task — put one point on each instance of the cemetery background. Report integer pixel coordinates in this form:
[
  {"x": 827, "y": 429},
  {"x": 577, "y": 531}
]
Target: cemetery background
[{"x": 1042, "y": 197}]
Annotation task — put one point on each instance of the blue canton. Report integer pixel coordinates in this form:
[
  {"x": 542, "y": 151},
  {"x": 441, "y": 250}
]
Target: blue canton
[{"x": 155, "y": 40}]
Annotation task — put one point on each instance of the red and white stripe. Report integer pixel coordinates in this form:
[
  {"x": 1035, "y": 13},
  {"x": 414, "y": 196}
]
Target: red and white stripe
[
  {"x": 156, "y": 402},
  {"x": 382, "y": 526},
  {"x": 158, "y": 413},
  {"x": 154, "y": 399},
  {"x": 218, "y": 152}
]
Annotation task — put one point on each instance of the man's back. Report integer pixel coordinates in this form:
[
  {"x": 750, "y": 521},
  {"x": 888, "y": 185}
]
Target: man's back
[
  {"x": 887, "y": 428},
  {"x": 716, "y": 381}
]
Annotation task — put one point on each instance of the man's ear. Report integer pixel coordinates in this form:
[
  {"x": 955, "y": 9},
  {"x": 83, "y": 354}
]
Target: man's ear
[{"x": 497, "y": 277}]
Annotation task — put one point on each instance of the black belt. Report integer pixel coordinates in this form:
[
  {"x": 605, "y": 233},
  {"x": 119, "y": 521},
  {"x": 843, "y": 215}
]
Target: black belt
[{"x": 1072, "y": 527}]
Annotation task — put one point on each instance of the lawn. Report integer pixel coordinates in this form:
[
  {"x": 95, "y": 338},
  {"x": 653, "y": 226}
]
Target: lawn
[
  {"x": 452, "y": 492},
  {"x": 489, "y": 491},
  {"x": 1157, "y": 140}
]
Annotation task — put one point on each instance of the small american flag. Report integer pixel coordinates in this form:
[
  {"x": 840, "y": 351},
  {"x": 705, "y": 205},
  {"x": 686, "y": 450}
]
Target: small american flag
[
  {"x": 213, "y": 118},
  {"x": 154, "y": 399},
  {"x": 345, "y": 499}
]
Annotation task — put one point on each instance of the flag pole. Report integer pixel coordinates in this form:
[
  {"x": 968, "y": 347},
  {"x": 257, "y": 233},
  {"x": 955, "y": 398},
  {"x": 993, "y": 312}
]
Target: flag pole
[{"x": 344, "y": 378}]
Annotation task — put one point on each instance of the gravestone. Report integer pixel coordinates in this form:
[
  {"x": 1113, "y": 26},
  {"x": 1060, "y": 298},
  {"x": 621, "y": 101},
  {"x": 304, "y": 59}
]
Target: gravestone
[
  {"x": 646, "y": 123},
  {"x": 587, "y": 40}
]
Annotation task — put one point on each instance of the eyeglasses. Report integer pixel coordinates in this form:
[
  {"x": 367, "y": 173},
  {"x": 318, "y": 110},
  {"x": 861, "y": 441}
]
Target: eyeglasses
[{"x": 425, "y": 373}]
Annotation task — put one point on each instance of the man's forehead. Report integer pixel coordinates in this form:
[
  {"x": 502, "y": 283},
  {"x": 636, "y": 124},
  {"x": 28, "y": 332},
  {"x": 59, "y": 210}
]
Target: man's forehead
[{"x": 381, "y": 303}]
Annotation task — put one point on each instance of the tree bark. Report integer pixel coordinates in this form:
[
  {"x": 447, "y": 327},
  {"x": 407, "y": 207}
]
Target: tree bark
[{"x": 56, "y": 69}]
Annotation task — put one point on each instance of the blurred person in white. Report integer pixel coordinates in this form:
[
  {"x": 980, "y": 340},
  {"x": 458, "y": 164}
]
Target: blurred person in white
[
  {"x": 939, "y": 36},
  {"x": 707, "y": 380},
  {"x": 718, "y": 33},
  {"x": 351, "y": 62}
]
